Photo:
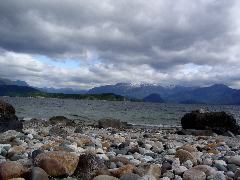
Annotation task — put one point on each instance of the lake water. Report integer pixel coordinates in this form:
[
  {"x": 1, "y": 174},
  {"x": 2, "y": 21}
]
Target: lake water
[{"x": 133, "y": 112}]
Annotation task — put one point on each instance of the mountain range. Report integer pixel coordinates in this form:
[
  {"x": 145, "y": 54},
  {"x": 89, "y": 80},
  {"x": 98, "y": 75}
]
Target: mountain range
[
  {"x": 215, "y": 94},
  {"x": 10, "y": 82},
  {"x": 62, "y": 90},
  {"x": 15, "y": 88}
]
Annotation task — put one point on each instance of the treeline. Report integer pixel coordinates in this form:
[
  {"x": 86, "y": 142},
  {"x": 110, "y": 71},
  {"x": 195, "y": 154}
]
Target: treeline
[{"x": 104, "y": 96}]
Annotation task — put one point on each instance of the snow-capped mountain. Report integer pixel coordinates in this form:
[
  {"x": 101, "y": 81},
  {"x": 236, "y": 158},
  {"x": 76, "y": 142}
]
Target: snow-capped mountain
[{"x": 215, "y": 94}]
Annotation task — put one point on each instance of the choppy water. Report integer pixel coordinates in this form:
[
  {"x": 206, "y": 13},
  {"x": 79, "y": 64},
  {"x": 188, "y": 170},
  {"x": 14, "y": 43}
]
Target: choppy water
[{"x": 132, "y": 112}]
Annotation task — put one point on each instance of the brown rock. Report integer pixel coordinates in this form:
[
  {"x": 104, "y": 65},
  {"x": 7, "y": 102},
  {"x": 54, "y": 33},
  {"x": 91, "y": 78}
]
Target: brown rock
[
  {"x": 148, "y": 169},
  {"x": 120, "y": 159},
  {"x": 210, "y": 146},
  {"x": 154, "y": 170},
  {"x": 49, "y": 146},
  {"x": 208, "y": 170},
  {"x": 213, "y": 151},
  {"x": 57, "y": 163},
  {"x": 106, "y": 145},
  {"x": 16, "y": 150},
  {"x": 193, "y": 174},
  {"x": 11, "y": 169},
  {"x": 184, "y": 155},
  {"x": 189, "y": 148},
  {"x": 53, "y": 167},
  {"x": 81, "y": 140},
  {"x": 123, "y": 170}
]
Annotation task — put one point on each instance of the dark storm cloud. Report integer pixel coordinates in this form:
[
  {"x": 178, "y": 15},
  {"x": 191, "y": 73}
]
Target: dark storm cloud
[{"x": 136, "y": 40}]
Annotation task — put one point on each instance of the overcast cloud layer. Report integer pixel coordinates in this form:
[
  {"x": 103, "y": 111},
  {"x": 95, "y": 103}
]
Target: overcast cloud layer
[{"x": 182, "y": 42}]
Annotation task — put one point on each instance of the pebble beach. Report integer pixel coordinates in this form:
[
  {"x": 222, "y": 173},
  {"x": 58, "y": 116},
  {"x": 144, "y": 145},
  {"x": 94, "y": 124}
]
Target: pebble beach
[{"x": 62, "y": 150}]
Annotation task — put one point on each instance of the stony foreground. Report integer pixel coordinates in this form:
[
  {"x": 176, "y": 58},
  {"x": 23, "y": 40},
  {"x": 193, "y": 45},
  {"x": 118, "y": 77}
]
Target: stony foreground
[{"x": 62, "y": 149}]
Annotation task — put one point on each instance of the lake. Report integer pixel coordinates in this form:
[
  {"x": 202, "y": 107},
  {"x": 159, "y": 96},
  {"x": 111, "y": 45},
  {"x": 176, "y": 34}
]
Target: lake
[{"x": 89, "y": 110}]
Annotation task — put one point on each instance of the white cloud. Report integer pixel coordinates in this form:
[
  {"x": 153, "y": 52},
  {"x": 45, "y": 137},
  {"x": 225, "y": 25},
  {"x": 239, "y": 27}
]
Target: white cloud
[{"x": 169, "y": 42}]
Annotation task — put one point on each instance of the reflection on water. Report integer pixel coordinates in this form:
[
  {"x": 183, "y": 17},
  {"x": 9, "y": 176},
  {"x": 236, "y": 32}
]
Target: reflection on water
[{"x": 132, "y": 112}]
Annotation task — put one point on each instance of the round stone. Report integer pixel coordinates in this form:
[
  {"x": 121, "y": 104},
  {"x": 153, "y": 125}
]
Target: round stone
[
  {"x": 130, "y": 176},
  {"x": 206, "y": 169},
  {"x": 234, "y": 160},
  {"x": 193, "y": 174},
  {"x": 105, "y": 177},
  {"x": 230, "y": 174},
  {"x": 219, "y": 176},
  {"x": 38, "y": 174},
  {"x": 184, "y": 155}
]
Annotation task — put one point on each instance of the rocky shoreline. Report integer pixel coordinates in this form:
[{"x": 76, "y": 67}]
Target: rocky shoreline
[{"x": 64, "y": 149}]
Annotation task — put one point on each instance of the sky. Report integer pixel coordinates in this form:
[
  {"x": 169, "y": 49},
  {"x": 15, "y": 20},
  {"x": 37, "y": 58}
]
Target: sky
[{"x": 87, "y": 43}]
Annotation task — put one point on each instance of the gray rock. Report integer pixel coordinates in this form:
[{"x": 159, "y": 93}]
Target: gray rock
[
  {"x": 58, "y": 131},
  {"x": 234, "y": 160},
  {"x": 119, "y": 164},
  {"x": 9, "y": 136},
  {"x": 38, "y": 174},
  {"x": 147, "y": 177},
  {"x": 180, "y": 170},
  {"x": 207, "y": 161},
  {"x": 120, "y": 151},
  {"x": 220, "y": 167},
  {"x": 153, "y": 155},
  {"x": 108, "y": 122},
  {"x": 232, "y": 167},
  {"x": 166, "y": 166},
  {"x": 130, "y": 176},
  {"x": 237, "y": 174},
  {"x": 16, "y": 157},
  {"x": 230, "y": 174},
  {"x": 168, "y": 174},
  {"x": 178, "y": 177},
  {"x": 188, "y": 164},
  {"x": 193, "y": 174},
  {"x": 113, "y": 165},
  {"x": 206, "y": 169},
  {"x": 105, "y": 177},
  {"x": 4, "y": 152},
  {"x": 2, "y": 160},
  {"x": 219, "y": 176}
]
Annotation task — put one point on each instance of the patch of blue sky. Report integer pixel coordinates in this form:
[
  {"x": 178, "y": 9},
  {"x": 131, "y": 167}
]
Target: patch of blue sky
[{"x": 62, "y": 63}]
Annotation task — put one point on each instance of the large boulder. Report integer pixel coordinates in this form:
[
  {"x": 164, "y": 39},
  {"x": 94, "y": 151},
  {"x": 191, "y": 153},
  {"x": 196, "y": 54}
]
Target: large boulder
[
  {"x": 218, "y": 122},
  {"x": 57, "y": 163},
  {"x": 8, "y": 119},
  {"x": 12, "y": 169}
]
